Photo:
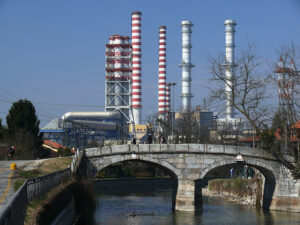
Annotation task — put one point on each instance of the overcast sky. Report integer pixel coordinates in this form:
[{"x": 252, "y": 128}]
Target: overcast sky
[{"x": 53, "y": 52}]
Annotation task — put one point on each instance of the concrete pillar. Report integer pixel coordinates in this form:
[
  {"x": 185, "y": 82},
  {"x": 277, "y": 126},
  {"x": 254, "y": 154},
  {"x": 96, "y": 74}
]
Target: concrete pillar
[{"x": 189, "y": 195}]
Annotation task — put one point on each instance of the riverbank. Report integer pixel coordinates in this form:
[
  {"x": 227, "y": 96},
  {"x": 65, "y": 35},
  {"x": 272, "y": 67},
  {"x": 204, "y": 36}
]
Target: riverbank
[{"x": 240, "y": 191}]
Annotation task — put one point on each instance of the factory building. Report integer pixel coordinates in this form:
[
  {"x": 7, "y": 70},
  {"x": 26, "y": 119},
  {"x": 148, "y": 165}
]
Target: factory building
[{"x": 85, "y": 129}]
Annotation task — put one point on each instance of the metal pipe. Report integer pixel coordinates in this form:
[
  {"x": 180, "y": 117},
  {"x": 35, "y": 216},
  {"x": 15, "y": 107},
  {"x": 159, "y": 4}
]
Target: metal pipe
[
  {"x": 75, "y": 115},
  {"x": 186, "y": 65},
  {"x": 173, "y": 110},
  {"x": 229, "y": 66}
]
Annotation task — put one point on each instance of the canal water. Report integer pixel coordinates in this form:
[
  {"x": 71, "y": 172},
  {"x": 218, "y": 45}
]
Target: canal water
[{"x": 145, "y": 202}]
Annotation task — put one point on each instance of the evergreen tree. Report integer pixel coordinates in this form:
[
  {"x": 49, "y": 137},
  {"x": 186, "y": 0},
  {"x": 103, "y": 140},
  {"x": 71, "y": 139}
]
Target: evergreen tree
[
  {"x": 2, "y": 130},
  {"x": 23, "y": 129}
]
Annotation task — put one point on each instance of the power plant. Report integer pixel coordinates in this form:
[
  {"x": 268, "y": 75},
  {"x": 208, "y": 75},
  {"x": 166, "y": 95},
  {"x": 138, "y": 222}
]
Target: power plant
[{"x": 123, "y": 89}]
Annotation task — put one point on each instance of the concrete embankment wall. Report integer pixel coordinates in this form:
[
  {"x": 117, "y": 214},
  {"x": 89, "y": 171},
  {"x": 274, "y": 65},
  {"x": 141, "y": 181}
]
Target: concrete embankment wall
[{"x": 67, "y": 216}]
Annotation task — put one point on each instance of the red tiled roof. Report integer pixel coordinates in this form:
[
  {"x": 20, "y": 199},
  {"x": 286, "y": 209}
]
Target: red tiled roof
[
  {"x": 53, "y": 144},
  {"x": 249, "y": 139},
  {"x": 296, "y": 125}
]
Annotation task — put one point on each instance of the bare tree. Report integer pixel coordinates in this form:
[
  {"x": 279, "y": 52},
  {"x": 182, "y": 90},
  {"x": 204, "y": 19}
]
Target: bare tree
[
  {"x": 247, "y": 87},
  {"x": 188, "y": 128},
  {"x": 249, "y": 95}
]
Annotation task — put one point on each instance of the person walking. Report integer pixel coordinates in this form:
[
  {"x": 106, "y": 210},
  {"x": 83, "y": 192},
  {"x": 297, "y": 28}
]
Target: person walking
[
  {"x": 231, "y": 173},
  {"x": 133, "y": 140},
  {"x": 149, "y": 139},
  {"x": 11, "y": 152}
]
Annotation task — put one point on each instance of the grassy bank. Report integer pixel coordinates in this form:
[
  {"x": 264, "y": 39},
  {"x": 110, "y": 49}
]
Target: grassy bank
[{"x": 46, "y": 167}]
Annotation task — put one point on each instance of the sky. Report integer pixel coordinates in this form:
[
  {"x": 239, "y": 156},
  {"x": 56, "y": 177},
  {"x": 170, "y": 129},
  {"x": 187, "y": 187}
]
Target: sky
[{"x": 53, "y": 52}]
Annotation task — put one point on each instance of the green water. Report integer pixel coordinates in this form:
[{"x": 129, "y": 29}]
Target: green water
[{"x": 152, "y": 204}]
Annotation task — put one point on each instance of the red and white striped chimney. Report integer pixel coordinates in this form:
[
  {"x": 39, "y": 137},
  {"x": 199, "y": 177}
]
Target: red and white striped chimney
[
  {"x": 162, "y": 73},
  {"x": 136, "y": 87}
]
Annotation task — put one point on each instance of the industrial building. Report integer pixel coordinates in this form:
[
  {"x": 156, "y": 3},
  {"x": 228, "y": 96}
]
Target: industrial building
[{"x": 84, "y": 129}]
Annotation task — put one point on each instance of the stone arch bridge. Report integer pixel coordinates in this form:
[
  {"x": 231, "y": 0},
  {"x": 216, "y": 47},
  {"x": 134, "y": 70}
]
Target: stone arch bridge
[{"x": 189, "y": 164}]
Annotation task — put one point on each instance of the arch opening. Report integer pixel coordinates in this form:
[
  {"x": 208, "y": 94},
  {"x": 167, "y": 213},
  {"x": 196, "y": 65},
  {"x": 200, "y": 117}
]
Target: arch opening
[
  {"x": 138, "y": 176},
  {"x": 222, "y": 170}
]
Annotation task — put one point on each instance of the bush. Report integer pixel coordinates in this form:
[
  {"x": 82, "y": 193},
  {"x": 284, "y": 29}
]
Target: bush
[{"x": 64, "y": 152}]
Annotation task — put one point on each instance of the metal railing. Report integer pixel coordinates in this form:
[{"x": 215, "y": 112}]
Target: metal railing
[
  {"x": 40, "y": 185},
  {"x": 76, "y": 160},
  {"x": 14, "y": 212}
]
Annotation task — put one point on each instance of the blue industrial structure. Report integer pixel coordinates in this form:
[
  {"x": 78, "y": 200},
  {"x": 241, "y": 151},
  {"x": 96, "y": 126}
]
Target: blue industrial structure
[{"x": 85, "y": 129}]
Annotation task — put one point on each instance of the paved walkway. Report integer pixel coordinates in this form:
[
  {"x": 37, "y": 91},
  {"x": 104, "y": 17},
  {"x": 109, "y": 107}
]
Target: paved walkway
[{"x": 6, "y": 176}]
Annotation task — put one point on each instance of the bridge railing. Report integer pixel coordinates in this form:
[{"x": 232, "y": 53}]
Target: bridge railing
[{"x": 14, "y": 212}]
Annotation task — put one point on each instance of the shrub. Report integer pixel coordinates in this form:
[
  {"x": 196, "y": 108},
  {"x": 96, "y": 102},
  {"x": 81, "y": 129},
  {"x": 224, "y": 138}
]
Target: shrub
[{"x": 64, "y": 152}]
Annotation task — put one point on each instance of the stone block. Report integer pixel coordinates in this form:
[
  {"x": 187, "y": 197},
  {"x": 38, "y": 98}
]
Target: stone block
[
  {"x": 154, "y": 148},
  {"x": 164, "y": 148},
  {"x": 116, "y": 159},
  {"x": 106, "y": 150},
  {"x": 215, "y": 149},
  {"x": 182, "y": 147},
  {"x": 181, "y": 165},
  {"x": 179, "y": 160},
  {"x": 200, "y": 148},
  {"x": 134, "y": 148},
  {"x": 171, "y": 147},
  {"x": 144, "y": 148},
  {"x": 191, "y": 159},
  {"x": 192, "y": 165},
  {"x": 119, "y": 148},
  {"x": 208, "y": 161}
]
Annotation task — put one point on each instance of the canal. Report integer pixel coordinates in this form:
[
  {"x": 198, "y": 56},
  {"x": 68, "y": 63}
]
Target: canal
[{"x": 149, "y": 201}]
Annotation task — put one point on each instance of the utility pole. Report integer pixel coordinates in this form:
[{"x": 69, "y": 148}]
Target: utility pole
[{"x": 173, "y": 109}]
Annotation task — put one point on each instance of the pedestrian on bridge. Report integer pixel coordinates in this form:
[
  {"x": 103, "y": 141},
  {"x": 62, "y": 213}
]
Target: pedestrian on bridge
[
  {"x": 149, "y": 139},
  {"x": 133, "y": 140}
]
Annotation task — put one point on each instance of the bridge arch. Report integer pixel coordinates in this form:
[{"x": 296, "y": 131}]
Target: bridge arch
[
  {"x": 174, "y": 172},
  {"x": 266, "y": 169}
]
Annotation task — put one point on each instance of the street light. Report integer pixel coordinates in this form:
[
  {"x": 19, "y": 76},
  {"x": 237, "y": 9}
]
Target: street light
[{"x": 173, "y": 109}]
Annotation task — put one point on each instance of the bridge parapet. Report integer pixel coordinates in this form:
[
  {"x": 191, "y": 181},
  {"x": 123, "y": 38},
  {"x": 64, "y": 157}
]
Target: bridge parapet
[{"x": 179, "y": 148}]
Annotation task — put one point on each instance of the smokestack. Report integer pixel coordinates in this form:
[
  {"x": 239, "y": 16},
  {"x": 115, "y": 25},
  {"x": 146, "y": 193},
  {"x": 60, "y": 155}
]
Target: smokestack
[
  {"x": 229, "y": 64},
  {"x": 136, "y": 67},
  {"x": 186, "y": 65},
  {"x": 162, "y": 74}
]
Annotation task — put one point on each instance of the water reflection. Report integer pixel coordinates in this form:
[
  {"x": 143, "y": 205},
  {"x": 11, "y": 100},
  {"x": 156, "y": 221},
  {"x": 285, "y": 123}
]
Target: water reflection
[{"x": 152, "y": 204}]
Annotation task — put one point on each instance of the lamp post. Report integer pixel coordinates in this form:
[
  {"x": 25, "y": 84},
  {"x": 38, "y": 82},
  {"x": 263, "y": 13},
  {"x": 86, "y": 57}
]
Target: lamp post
[{"x": 173, "y": 110}]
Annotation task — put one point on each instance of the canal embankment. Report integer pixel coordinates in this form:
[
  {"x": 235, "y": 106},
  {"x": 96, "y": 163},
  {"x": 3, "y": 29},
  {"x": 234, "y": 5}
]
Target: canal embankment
[{"x": 72, "y": 202}]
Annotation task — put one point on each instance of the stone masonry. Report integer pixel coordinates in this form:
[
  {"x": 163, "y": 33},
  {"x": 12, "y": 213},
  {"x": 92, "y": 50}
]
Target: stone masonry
[{"x": 189, "y": 163}]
